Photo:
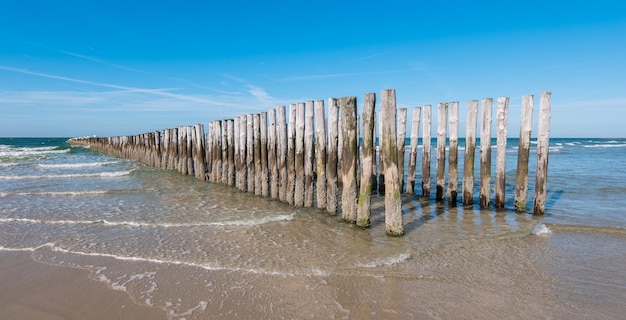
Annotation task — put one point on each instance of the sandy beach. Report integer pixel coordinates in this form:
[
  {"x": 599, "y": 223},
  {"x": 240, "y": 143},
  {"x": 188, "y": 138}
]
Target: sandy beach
[{"x": 32, "y": 290}]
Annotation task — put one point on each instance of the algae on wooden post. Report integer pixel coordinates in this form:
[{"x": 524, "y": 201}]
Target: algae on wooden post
[
  {"x": 393, "y": 202},
  {"x": 365, "y": 192}
]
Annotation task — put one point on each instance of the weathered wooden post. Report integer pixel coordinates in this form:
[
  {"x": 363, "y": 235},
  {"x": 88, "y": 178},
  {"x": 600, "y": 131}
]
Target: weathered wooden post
[
  {"x": 299, "y": 160},
  {"x": 281, "y": 153},
  {"x": 349, "y": 156},
  {"x": 199, "y": 165},
  {"x": 332, "y": 156},
  {"x": 320, "y": 151},
  {"x": 230, "y": 140},
  {"x": 426, "y": 129},
  {"x": 523, "y": 153},
  {"x": 415, "y": 126},
  {"x": 401, "y": 144},
  {"x": 470, "y": 151},
  {"x": 265, "y": 187},
  {"x": 257, "y": 154},
  {"x": 381, "y": 156},
  {"x": 442, "y": 122},
  {"x": 250, "y": 152},
  {"x": 365, "y": 192},
  {"x": 543, "y": 147},
  {"x": 309, "y": 154},
  {"x": 190, "y": 143},
  {"x": 243, "y": 153},
  {"x": 453, "y": 160},
  {"x": 237, "y": 154},
  {"x": 502, "y": 115},
  {"x": 271, "y": 154},
  {"x": 291, "y": 155},
  {"x": 485, "y": 154},
  {"x": 393, "y": 202},
  {"x": 217, "y": 152},
  {"x": 224, "y": 138}
]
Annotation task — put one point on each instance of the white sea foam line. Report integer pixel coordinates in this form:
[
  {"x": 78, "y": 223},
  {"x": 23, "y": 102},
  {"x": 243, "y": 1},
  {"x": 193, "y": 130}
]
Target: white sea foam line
[
  {"x": 605, "y": 145},
  {"x": 251, "y": 222},
  {"x": 14, "y": 153},
  {"x": 172, "y": 262},
  {"x": 76, "y": 165},
  {"x": 53, "y": 193},
  {"x": 27, "y": 249},
  {"x": 73, "y": 175},
  {"x": 388, "y": 261}
]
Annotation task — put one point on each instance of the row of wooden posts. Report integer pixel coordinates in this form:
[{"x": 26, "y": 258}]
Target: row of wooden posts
[{"x": 298, "y": 160}]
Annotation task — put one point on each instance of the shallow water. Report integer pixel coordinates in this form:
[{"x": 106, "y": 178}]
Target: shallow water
[{"x": 200, "y": 250}]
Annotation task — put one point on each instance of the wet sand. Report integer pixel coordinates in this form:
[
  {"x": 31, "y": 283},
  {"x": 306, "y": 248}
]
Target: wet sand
[{"x": 32, "y": 290}]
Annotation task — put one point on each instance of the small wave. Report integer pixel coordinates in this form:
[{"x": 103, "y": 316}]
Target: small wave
[
  {"x": 75, "y": 165},
  {"x": 620, "y": 145},
  {"x": 27, "y": 249},
  {"x": 69, "y": 176},
  {"x": 254, "y": 222},
  {"x": 389, "y": 261},
  {"x": 8, "y": 164},
  {"x": 23, "y": 152},
  {"x": 251, "y": 222},
  {"x": 54, "y": 193},
  {"x": 541, "y": 230}
]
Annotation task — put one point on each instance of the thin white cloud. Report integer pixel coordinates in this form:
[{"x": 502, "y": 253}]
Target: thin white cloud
[{"x": 104, "y": 62}]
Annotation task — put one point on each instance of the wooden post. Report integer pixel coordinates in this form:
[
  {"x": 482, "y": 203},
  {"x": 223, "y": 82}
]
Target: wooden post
[
  {"x": 299, "y": 160},
  {"x": 199, "y": 166},
  {"x": 415, "y": 126},
  {"x": 442, "y": 122},
  {"x": 523, "y": 153},
  {"x": 281, "y": 153},
  {"x": 453, "y": 160},
  {"x": 182, "y": 150},
  {"x": 309, "y": 154},
  {"x": 485, "y": 154},
  {"x": 470, "y": 151},
  {"x": 365, "y": 192},
  {"x": 502, "y": 116},
  {"x": 224, "y": 138},
  {"x": 332, "y": 157},
  {"x": 401, "y": 144},
  {"x": 237, "y": 154},
  {"x": 381, "y": 156},
  {"x": 320, "y": 152},
  {"x": 271, "y": 154},
  {"x": 257, "y": 154},
  {"x": 543, "y": 144},
  {"x": 230, "y": 140},
  {"x": 250, "y": 152},
  {"x": 217, "y": 152},
  {"x": 349, "y": 156},
  {"x": 291, "y": 155},
  {"x": 426, "y": 151},
  {"x": 393, "y": 202},
  {"x": 265, "y": 187},
  {"x": 243, "y": 153},
  {"x": 189, "y": 156}
]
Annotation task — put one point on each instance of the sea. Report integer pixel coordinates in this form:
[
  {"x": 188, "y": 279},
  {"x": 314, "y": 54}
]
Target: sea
[{"x": 200, "y": 250}]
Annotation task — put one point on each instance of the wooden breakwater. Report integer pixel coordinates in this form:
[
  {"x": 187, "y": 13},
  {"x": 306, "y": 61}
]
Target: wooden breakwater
[{"x": 303, "y": 158}]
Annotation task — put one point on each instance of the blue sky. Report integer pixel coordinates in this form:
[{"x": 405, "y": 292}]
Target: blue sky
[{"x": 75, "y": 68}]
